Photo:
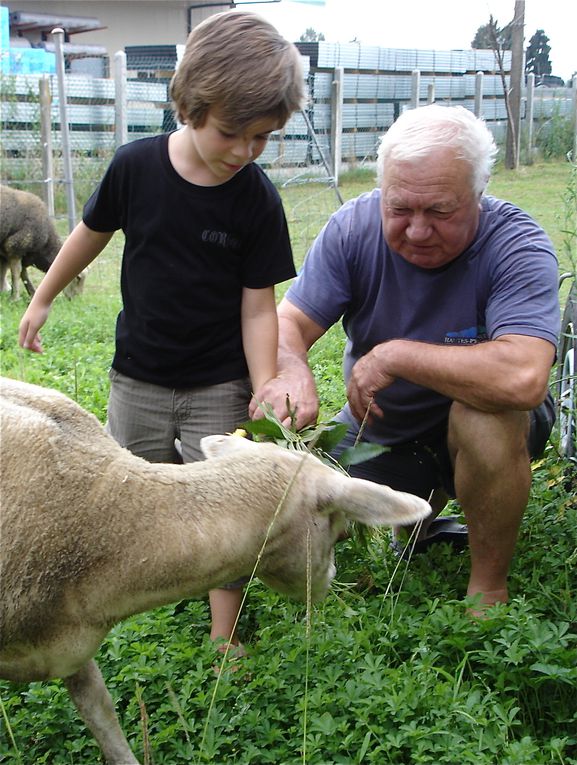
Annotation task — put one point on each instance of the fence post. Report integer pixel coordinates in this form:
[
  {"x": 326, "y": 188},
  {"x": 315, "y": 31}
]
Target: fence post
[
  {"x": 415, "y": 88},
  {"x": 337, "y": 121},
  {"x": 513, "y": 97},
  {"x": 574, "y": 84},
  {"x": 530, "y": 116},
  {"x": 64, "y": 134},
  {"x": 46, "y": 141},
  {"x": 120, "y": 99},
  {"x": 431, "y": 93},
  {"x": 315, "y": 140},
  {"x": 478, "y": 94}
]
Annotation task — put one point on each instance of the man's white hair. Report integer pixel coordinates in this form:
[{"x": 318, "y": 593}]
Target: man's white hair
[{"x": 418, "y": 132}]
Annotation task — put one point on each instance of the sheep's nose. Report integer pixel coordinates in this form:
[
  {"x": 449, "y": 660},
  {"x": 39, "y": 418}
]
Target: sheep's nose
[{"x": 320, "y": 591}]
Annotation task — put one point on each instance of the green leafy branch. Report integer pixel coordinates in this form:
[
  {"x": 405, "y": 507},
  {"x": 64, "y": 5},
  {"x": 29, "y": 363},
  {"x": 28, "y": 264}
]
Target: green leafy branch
[{"x": 319, "y": 439}]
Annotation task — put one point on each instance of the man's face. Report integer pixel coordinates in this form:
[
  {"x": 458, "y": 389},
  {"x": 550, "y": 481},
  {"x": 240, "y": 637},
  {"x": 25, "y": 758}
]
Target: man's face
[{"x": 429, "y": 211}]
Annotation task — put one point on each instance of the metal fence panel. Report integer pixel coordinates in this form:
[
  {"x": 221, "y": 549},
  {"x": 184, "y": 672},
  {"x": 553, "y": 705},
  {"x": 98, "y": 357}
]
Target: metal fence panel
[{"x": 376, "y": 88}]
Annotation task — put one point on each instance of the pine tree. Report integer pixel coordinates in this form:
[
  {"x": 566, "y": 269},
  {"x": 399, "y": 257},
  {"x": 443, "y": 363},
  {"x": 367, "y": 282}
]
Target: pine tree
[
  {"x": 484, "y": 40},
  {"x": 311, "y": 35},
  {"x": 537, "y": 55}
]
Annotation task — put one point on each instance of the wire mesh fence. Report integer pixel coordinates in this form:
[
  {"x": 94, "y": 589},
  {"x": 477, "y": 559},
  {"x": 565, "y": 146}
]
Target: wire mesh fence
[{"x": 374, "y": 86}]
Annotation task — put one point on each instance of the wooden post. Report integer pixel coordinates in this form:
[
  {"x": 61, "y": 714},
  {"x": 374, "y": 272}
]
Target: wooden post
[
  {"x": 64, "y": 134},
  {"x": 337, "y": 121},
  {"x": 574, "y": 82},
  {"x": 415, "y": 88},
  {"x": 46, "y": 140},
  {"x": 120, "y": 100},
  {"x": 529, "y": 117},
  {"x": 479, "y": 94},
  {"x": 516, "y": 77}
]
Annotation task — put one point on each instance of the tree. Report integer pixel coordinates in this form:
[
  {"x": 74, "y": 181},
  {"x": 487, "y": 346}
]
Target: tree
[
  {"x": 310, "y": 35},
  {"x": 537, "y": 55},
  {"x": 511, "y": 91},
  {"x": 485, "y": 36}
]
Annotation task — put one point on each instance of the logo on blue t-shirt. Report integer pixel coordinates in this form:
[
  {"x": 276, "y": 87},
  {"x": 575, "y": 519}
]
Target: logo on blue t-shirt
[{"x": 468, "y": 336}]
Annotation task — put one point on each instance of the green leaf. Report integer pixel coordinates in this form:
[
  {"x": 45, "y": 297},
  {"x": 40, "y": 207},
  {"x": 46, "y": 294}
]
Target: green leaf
[
  {"x": 269, "y": 413},
  {"x": 263, "y": 427},
  {"x": 365, "y": 746},
  {"x": 361, "y": 452},
  {"x": 554, "y": 671},
  {"x": 331, "y": 434},
  {"x": 325, "y": 724}
]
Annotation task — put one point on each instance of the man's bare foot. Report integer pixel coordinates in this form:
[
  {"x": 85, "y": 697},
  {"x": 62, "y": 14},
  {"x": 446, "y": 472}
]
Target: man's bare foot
[{"x": 486, "y": 600}]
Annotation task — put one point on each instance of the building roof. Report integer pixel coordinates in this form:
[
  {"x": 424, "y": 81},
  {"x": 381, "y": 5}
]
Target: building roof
[{"x": 23, "y": 21}]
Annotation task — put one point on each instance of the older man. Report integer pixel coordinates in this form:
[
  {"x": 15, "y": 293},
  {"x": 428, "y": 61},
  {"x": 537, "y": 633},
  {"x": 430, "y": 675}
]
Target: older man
[{"x": 448, "y": 298}]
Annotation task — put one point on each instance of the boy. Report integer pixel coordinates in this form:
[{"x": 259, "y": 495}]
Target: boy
[{"x": 206, "y": 240}]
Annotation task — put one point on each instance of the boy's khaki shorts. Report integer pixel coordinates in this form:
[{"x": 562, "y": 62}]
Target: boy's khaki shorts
[{"x": 147, "y": 419}]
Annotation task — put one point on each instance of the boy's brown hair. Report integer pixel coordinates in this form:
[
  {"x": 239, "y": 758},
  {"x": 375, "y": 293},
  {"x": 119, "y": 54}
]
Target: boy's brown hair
[{"x": 239, "y": 62}]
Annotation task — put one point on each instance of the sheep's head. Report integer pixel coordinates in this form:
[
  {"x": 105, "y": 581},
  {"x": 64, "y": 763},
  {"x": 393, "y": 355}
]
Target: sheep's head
[
  {"x": 76, "y": 286},
  {"x": 318, "y": 504}
]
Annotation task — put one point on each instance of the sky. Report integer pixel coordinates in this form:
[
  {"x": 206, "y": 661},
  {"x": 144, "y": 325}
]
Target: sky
[{"x": 439, "y": 25}]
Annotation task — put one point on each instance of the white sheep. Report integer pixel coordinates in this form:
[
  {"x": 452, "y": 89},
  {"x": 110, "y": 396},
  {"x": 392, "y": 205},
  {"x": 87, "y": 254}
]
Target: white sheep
[
  {"x": 27, "y": 238},
  {"x": 92, "y": 534}
]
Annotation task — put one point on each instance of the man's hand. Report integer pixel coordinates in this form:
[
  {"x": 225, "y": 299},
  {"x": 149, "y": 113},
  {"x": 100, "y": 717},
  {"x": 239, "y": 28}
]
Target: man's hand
[
  {"x": 289, "y": 389},
  {"x": 367, "y": 378},
  {"x": 294, "y": 386}
]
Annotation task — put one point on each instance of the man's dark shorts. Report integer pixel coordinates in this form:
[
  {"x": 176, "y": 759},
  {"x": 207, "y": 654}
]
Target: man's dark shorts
[{"x": 419, "y": 467}]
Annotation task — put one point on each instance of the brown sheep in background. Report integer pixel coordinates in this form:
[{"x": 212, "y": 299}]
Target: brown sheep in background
[{"x": 27, "y": 238}]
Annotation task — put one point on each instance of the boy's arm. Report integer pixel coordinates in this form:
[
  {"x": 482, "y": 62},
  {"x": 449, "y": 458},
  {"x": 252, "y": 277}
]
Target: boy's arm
[
  {"x": 259, "y": 335},
  {"x": 77, "y": 252}
]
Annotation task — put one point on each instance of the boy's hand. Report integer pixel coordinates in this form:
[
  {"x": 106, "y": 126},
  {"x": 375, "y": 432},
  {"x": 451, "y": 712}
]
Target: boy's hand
[{"x": 28, "y": 334}]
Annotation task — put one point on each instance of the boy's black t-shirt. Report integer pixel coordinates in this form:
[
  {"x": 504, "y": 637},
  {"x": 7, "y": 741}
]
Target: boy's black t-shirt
[{"x": 189, "y": 251}]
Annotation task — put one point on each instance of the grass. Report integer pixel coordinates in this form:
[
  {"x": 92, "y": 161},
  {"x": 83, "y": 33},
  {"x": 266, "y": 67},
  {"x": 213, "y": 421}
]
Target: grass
[
  {"x": 539, "y": 189},
  {"x": 390, "y": 669}
]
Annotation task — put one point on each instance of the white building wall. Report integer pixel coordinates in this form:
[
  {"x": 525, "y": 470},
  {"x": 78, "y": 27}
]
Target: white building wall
[{"x": 127, "y": 22}]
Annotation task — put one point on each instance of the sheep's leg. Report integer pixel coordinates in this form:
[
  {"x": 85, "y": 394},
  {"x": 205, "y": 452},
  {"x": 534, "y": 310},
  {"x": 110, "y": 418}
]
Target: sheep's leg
[
  {"x": 15, "y": 267},
  {"x": 94, "y": 704},
  {"x": 26, "y": 281},
  {"x": 3, "y": 272}
]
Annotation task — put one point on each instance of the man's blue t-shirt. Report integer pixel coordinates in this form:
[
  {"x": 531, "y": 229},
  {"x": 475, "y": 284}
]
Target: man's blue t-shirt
[{"x": 504, "y": 283}]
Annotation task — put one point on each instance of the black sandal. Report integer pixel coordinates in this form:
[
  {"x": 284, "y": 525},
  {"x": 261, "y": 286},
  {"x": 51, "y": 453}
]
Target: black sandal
[{"x": 445, "y": 528}]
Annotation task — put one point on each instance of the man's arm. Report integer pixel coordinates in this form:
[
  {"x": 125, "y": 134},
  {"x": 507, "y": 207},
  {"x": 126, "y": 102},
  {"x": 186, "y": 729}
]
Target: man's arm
[
  {"x": 294, "y": 380},
  {"x": 511, "y": 372}
]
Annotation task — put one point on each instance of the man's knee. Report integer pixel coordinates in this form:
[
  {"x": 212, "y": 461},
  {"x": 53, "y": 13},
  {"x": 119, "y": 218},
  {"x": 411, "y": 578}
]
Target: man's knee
[{"x": 491, "y": 436}]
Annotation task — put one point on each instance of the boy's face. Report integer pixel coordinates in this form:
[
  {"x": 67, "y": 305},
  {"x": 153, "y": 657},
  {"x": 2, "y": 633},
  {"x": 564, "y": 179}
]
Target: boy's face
[{"x": 221, "y": 151}]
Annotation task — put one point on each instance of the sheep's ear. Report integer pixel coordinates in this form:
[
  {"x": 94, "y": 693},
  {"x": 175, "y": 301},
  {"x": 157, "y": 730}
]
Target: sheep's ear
[
  {"x": 218, "y": 446},
  {"x": 375, "y": 505}
]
